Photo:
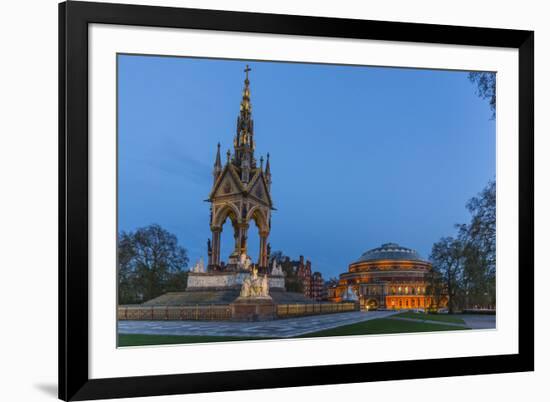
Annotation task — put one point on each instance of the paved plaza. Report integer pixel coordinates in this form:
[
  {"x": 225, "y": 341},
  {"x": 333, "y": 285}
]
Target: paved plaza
[
  {"x": 470, "y": 321},
  {"x": 283, "y": 328},
  {"x": 479, "y": 321}
]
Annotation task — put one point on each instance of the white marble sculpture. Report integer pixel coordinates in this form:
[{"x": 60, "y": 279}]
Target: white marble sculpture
[
  {"x": 255, "y": 287},
  {"x": 199, "y": 267},
  {"x": 247, "y": 263},
  {"x": 277, "y": 269},
  {"x": 244, "y": 262},
  {"x": 350, "y": 294}
]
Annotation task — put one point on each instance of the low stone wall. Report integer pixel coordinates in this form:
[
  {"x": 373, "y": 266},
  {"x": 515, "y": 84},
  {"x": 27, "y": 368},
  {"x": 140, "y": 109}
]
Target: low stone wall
[
  {"x": 223, "y": 312},
  {"x": 296, "y": 310},
  {"x": 197, "y": 312}
]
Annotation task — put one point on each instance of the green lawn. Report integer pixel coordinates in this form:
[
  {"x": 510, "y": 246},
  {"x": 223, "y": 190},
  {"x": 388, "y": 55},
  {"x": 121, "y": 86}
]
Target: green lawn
[
  {"x": 431, "y": 317},
  {"x": 383, "y": 326},
  {"x": 142, "y": 340}
]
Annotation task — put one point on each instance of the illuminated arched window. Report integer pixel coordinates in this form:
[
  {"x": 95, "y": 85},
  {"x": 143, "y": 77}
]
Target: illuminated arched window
[{"x": 406, "y": 290}]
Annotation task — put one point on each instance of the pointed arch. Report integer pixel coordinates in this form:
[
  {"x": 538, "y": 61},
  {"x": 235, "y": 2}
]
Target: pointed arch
[
  {"x": 258, "y": 216},
  {"x": 228, "y": 210}
]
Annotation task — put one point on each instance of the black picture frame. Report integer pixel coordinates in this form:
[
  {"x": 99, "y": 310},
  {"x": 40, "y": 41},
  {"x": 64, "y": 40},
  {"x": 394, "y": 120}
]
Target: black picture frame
[{"x": 74, "y": 18}]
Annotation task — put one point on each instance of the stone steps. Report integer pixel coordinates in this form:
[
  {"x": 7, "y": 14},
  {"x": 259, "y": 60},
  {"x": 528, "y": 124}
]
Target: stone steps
[
  {"x": 194, "y": 297},
  {"x": 220, "y": 297}
]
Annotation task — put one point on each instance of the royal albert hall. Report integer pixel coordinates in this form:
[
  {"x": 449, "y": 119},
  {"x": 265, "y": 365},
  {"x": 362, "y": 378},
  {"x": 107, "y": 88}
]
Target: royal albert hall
[{"x": 388, "y": 277}]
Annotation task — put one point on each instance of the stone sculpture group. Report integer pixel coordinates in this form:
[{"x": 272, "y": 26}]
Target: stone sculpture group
[
  {"x": 254, "y": 286},
  {"x": 244, "y": 262}
]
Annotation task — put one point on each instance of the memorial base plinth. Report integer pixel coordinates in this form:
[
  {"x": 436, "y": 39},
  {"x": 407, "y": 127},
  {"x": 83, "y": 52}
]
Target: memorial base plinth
[{"x": 253, "y": 309}]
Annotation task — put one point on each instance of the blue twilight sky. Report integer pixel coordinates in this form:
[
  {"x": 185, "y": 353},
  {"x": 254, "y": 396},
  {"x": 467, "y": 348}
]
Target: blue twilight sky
[{"x": 360, "y": 156}]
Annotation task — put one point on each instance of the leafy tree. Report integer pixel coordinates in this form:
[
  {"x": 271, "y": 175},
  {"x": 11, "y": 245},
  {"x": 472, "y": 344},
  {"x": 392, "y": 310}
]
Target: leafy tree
[
  {"x": 435, "y": 288},
  {"x": 150, "y": 263},
  {"x": 293, "y": 283},
  {"x": 127, "y": 292},
  {"x": 466, "y": 265},
  {"x": 447, "y": 257},
  {"x": 479, "y": 239},
  {"x": 481, "y": 231},
  {"x": 177, "y": 281},
  {"x": 486, "y": 87}
]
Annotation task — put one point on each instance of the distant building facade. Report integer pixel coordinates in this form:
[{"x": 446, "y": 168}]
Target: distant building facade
[
  {"x": 311, "y": 283},
  {"x": 388, "y": 277},
  {"x": 317, "y": 286},
  {"x": 304, "y": 273}
]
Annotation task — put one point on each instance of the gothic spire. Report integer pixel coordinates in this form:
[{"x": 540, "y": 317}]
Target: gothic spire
[
  {"x": 268, "y": 172},
  {"x": 244, "y": 137},
  {"x": 217, "y": 164},
  {"x": 267, "y": 167}
]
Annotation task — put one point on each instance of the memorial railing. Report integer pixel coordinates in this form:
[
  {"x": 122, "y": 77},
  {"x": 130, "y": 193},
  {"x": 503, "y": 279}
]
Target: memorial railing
[{"x": 214, "y": 312}]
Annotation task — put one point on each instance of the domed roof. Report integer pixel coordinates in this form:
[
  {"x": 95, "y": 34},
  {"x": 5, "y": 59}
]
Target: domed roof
[{"x": 390, "y": 251}]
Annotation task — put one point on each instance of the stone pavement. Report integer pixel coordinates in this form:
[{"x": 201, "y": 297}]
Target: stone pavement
[
  {"x": 479, "y": 321},
  {"x": 283, "y": 328},
  {"x": 472, "y": 321}
]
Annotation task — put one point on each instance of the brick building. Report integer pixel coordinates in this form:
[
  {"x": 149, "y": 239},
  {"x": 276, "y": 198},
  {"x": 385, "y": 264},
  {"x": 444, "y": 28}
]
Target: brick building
[
  {"x": 310, "y": 283},
  {"x": 317, "y": 286}
]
